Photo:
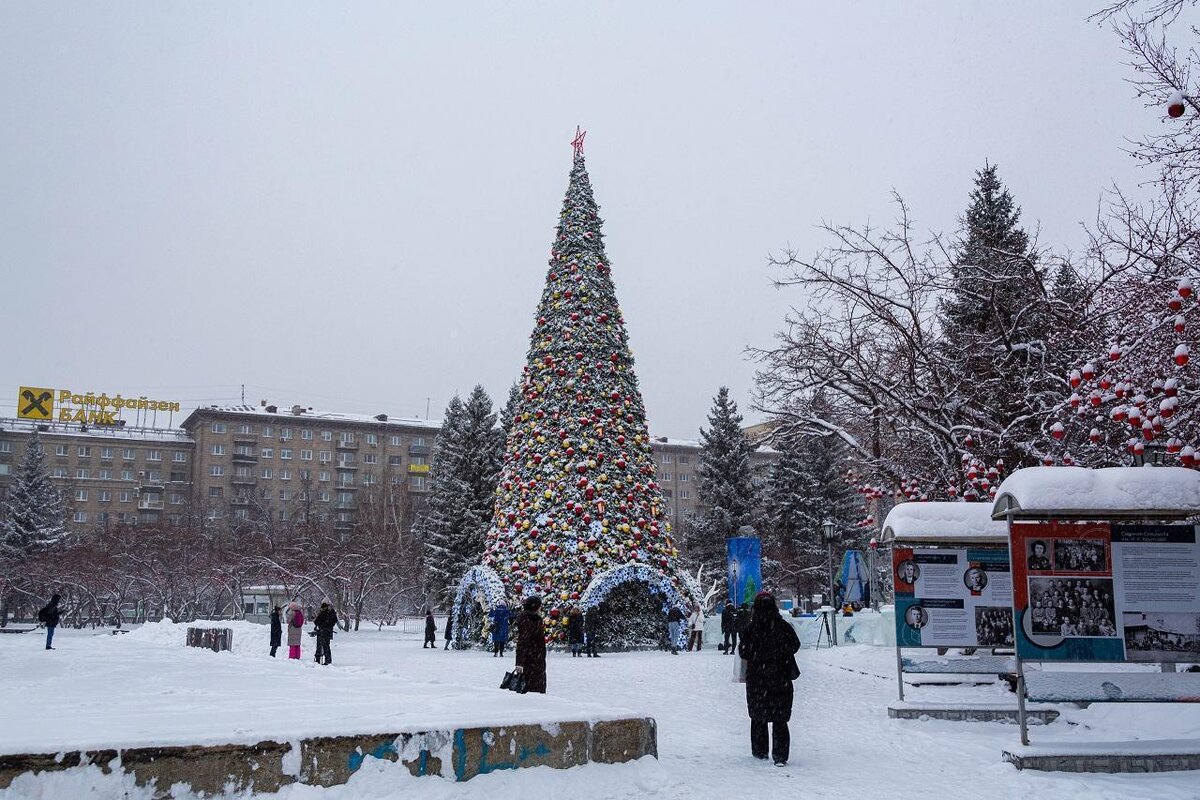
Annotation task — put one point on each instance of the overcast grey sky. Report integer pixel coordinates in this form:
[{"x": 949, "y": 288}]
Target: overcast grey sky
[{"x": 350, "y": 206}]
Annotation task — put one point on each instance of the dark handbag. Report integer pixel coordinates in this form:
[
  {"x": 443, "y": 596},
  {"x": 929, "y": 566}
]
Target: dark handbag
[
  {"x": 793, "y": 669},
  {"x": 514, "y": 682}
]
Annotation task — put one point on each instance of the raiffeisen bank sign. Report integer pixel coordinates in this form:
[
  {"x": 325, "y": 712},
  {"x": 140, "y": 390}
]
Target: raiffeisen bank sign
[{"x": 39, "y": 403}]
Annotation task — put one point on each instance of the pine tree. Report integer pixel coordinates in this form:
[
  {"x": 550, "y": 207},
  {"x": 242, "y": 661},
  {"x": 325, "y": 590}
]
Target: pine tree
[
  {"x": 805, "y": 488},
  {"x": 509, "y": 412},
  {"x": 726, "y": 491},
  {"x": 34, "y": 511},
  {"x": 577, "y": 503}
]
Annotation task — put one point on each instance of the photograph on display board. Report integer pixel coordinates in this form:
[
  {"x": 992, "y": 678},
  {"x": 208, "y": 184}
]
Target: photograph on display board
[
  {"x": 1072, "y": 607},
  {"x": 1039, "y": 556},
  {"x": 1159, "y": 636},
  {"x": 975, "y": 579},
  {"x": 994, "y": 626},
  {"x": 908, "y": 572},
  {"x": 1080, "y": 555},
  {"x": 916, "y": 617}
]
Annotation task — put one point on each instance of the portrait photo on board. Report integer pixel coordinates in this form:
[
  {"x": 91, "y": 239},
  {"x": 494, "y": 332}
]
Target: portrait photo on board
[
  {"x": 916, "y": 617},
  {"x": 907, "y": 571},
  {"x": 1080, "y": 607},
  {"x": 975, "y": 579},
  {"x": 1038, "y": 558},
  {"x": 1080, "y": 555}
]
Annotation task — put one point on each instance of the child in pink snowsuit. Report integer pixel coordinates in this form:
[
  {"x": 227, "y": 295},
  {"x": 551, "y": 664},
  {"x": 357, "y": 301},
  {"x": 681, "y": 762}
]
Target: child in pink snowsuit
[{"x": 295, "y": 625}]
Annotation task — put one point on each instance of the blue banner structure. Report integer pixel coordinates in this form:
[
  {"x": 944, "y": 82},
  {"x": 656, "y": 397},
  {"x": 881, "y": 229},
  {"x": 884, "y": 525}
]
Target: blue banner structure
[
  {"x": 744, "y": 570},
  {"x": 855, "y": 579}
]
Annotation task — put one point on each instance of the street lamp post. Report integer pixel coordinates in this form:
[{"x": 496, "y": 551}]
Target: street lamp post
[
  {"x": 828, "y": 533},
  {"x": 873, "y": 546}
]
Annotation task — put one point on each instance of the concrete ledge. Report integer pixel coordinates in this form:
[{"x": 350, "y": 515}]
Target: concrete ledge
[
  {"x": 967, "y": 712},
  {"x": 458, "y": 754},
  {"x": 1144, "y": 757}
]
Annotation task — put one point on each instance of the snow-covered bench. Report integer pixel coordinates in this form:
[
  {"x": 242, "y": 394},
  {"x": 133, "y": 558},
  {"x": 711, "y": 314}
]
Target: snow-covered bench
[
  {"x": 982, "y": 665},
  {"x": 1112, "y": 687}
]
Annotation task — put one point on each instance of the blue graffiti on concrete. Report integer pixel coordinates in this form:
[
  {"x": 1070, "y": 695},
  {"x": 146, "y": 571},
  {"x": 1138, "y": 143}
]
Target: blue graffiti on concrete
[
  {"x": 358, "y": 756},
  {"x": 485, "y": 765}
]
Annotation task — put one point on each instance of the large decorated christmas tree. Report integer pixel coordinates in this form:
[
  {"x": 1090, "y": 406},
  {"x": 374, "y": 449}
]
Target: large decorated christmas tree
[{"x": 579, "y": 519}]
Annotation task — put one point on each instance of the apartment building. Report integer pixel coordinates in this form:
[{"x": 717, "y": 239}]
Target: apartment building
[
  {"x": 117, "y": 475},
  {"x": 676, "y": 460}
]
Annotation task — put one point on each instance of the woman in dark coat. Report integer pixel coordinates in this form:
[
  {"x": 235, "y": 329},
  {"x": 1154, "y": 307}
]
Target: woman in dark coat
[
  {"x": 575, "y": 632},
  {"x": 449, "y": 618},
  {"x": 769, "y": 644},
  {"x": 531, "y": 645},
  {"x": 276, "y": 630},
  {"x": 430, "y": 631}
]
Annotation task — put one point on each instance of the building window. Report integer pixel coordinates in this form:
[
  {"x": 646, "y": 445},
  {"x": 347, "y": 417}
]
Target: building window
[
  {"x": 393, "y": 461},
  {"x": 285, "y": 452},
  {"x": 125, "y": 497},
  {"x": 346, "y": 479},
  {"x": 60, "y": 449},
  {"x": 127, "y": 454},
  {"x": 416, "y": 482},
  {"x": 218, "y": 449},
  {"x": 176, "y": 499},
  {"x": 83, "y": 472},
  {"x": 105, "y": 452},
  {"x": 684, "y": 494},
  {"x": 214, "y": 513},
  {"x": 216, "y": 470},
  {"x": 126, "y": 474},
  {"x": 178, "y": 477},
  {"x": 268, "y": 431},
  {"x": 372, "y": 439},
  {"x": 369, "y": 479},
  {"x": 5, "y": 469},
  {"x": 666, "y": 458},
  {"x": 218, "y": 427},
  {"x": 683, "y": 477},
  {"x": 306, "y": 455},
  {"x": 243, "y": 450},
  {"x": 81, "y": 516},
  {"x": 685, "y": 459},
  {"x": 266, "y": 452},
  {"x": 81, "y": 495},
  {"x": 418, "y": 461},
  {"x": 305, "y": 474},
  {"x": 105, "y": 475},
  {"x": 60, "y": 472},
  {"x": 323, "y": 475},
  {"x": 285, "y": 434},
  {"x": 285, "y": 495},
  {"x": 395, "y": 440},
  {"x": 105, "y": 496},
  {"x": 85, "y": 451},
  {"x": 154, "y": 476},
  {"x": 326, "y": 436},
  {"x": 325, "y": 456},
  {"x": 6, "y": 447},
  {"x": 306, "y": 434},
  {"x": 285, "y": 474},
  {"x": 324, "y": 497},
  {"x": 419, "y": 441},
  {"x": 664, "y": 476},
  {"x": 348, "y": 437},
  {"x": 264, "y": 493},
  {"x": 241, "y": 472},
  {"x": 370, "y": 458},
  {"x": 154, "y": 455},
  {"x": 179, "y": 457},
  {"x": 241, "y": 513},
  {"x": 267, "y": 473},
  {"x": 216, "y": 491},
  {"x": 243, "y": 428}
]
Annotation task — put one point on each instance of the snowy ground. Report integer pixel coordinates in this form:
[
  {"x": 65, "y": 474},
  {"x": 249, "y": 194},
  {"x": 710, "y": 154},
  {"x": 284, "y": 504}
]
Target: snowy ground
[{"x": 146, "y": 685}]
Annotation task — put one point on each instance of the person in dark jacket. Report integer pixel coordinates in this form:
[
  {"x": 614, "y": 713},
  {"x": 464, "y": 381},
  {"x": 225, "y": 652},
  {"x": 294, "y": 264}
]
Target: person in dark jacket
[
  {"x": 729, "y": 628},
  {"x": 675, "y": 619},
  {"x": 449, "y": 617},
  {"x": 276, "y": 630},
  {"x": 49, "y": 616},
  {"x": 591, "y": 632},
  {"x": 326, "y": 621},
  {"x": 500, "y": 616},
  {"x": 430, "y": 630},
  {"x": 769, "y": 645},
  {"x": 531, "y": 645},
  {"x": 575, "y": 631}
]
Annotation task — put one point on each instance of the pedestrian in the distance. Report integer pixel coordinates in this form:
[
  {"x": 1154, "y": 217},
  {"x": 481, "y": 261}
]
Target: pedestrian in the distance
[
  {"x": 696, "y": 628},
  {"x": 591, "y": 632},
  {"x": 531, "y": 645},
  {"x": 769, "y": 645},
  {"x": 500, "y": 616},
  {"x": 326, "y": 621},
  {"x": 575, "y": 631},
  {"x": 49, "y": 615},
  {"x": 276, "y": 630},
  {"x": 430, "y": 630},
  {"x": 449, "y": 617},
  {"x": 729, "y": 628},
  {"x": 295, "y": 625},
  {"x": 675, "y": 619}
]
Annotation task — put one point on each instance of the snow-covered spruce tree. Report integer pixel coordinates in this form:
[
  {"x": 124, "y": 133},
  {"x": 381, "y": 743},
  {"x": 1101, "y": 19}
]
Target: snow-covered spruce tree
[
  {"x": 577, "y": 511},
  {"x": 807, "y": 486},
  {"x": 34, "y": 511},
  {"x": 726, "y": 492},
  {"x": 509, "y": 412}
]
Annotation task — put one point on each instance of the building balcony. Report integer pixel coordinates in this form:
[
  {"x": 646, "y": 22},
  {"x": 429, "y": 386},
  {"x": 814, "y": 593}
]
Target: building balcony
[
  {"x": 418, "y": 469},
  {"x": 243, "y": 480},
  {"x": 150, "y": 505},
  {"x": 147, "y": 483},
  {"x": 342, "y": 445},
  {"x": 418, "y": 450},
  {"x": 346, "y": 465},
  {"x": 245, "y": 458},
  {"x": 345, "y": 487},
  {"x": 239, "y": 501}
]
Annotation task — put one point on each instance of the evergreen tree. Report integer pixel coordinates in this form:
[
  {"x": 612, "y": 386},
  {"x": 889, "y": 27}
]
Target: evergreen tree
[
  {"x": 34, "y": 511},
  {"x": 726, "y": 490},
  {"x": 509, "y": 412},
  {"x": 805, "y": 488},
  {"x": 465, "y": 466}
]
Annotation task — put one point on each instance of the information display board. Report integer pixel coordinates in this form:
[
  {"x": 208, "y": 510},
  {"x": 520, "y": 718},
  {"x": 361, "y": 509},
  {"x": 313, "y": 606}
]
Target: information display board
[
  {"x": 953, "y": 597},
  {"x": 1100, "y": 591}
]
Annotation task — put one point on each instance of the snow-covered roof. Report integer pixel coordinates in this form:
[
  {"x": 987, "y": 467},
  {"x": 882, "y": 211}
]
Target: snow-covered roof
[
  {"x": 694, "y": 444},
  {"x": 943, "y": 522},
  {"x": 305, "y": 412},
  {"x": 75, "y": 429},
  {"x": 1113, "y": 492}
]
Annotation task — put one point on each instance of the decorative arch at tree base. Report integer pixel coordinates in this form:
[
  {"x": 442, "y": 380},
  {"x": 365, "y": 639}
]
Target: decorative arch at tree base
[
  {"x": 479, "y": 591},
  {"x": 632, "y": 602}
]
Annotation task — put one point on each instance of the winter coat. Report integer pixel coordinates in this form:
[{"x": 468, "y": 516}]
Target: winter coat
[
  {"x": 575, "y": 628},
  {"x": 276, "y": 629},
  {"x": 675, "y": 615},
  {"x": 741, "y": 619},
  {"x": 696, "y": 620},
  {"x": 591, "y": 624},
  {"x": 531, "y": 650},
  {"x": 769, "y": 645},
  {"x": 326, "y": 621},
  {"x": 448, "y": 618},
  {"x": 50, "y": 613},
  {"x": 295, "y": 623},
  {"x": 500, "y": 617},
  {"x": 430, "y": 627},
  {"x": 728, "y": 615}
]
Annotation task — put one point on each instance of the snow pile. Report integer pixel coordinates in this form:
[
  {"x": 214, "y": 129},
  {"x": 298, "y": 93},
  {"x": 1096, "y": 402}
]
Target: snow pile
[
  {"x": 945, "y": 522},
  {"x": 1081, "y": 492},
  {"x": 248, "y": 637}
]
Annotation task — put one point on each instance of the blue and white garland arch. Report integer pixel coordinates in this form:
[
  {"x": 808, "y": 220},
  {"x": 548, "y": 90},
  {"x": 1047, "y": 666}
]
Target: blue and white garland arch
[
  {"x": 658, "y": 581},
  {"x": 481, "y": 586}
]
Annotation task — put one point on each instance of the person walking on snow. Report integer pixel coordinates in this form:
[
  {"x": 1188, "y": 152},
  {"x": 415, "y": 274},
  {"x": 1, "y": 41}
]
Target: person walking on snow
[
  {"x": 531, "y": 646},
  {"x": 295, "y": 625},
  {"x": 575, "y": 631},
  {"x": 591, "y": 632},
  {"x": 430, "y": 631},
  {"x": 696, "y": 626},
  {"x": 500, "y": 616},
  {"x": 729, "y": 628},
  {"x": 326, "y": 621},
  {"x": 449, "y": 617},
  {"x": 674, "y": 620},
  {"x": 769, "y": 645},
  {"x": 49, "y": 616},
  {"x": 276, "y": 630}
]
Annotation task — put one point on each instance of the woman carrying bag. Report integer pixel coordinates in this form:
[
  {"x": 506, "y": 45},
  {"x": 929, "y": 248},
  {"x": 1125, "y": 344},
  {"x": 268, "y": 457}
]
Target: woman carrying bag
[
  {"x": 769, "y": 645},
  {"x": 531, "y": 646}
]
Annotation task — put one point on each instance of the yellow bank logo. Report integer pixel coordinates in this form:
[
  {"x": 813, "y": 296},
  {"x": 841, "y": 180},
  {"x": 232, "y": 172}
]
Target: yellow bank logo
[{"x": 34, "y": 402}]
